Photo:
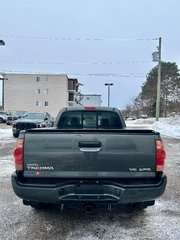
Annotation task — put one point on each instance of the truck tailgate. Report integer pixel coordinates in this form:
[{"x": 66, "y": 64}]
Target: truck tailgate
[{"x": 72, "y": 154}]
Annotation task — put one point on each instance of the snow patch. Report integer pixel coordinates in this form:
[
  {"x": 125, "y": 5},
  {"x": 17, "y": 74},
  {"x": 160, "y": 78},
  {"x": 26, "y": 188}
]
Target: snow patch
[
  {"x": 6, "y": 166},
  {"x": 169, "y": 127},
  {"x": 6, "y": 135}
]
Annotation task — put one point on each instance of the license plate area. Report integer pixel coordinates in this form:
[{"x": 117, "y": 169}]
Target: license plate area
[{"x": 89, "y": 189}]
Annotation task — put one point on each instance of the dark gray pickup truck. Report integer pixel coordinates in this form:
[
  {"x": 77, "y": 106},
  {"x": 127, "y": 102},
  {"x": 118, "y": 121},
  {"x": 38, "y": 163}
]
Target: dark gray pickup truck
[{"x": 89, "y": 157}]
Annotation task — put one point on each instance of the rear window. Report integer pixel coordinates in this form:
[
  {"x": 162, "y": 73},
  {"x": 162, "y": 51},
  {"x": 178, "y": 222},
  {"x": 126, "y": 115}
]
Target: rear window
[{"x": 89, "y": 119}]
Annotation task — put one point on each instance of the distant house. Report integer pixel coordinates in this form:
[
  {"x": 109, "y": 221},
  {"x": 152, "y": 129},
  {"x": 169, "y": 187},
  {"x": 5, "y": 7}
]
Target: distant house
[
  {"x": 39, "y": 92},
  {"x": 89, "y": 100}
]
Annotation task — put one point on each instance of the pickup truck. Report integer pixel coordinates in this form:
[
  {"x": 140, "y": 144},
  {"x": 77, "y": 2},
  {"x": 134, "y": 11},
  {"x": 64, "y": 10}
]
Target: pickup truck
[
  {"x": 89, "y": 157},
  {"x": 31, "y": 120}
]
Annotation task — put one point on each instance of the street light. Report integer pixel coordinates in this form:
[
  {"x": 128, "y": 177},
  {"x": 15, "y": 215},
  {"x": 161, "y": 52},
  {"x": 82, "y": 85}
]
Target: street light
[
  {"x": 2, "y": 43},
  {"x": 108, "y": 85}
]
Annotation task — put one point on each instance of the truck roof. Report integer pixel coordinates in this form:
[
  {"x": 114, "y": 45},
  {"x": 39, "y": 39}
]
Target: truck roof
[{"x": 102, "y": 108}]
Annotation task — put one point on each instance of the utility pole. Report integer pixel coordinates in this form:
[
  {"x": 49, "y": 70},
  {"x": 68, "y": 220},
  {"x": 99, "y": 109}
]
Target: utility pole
[{"x": 158, "y": 82}]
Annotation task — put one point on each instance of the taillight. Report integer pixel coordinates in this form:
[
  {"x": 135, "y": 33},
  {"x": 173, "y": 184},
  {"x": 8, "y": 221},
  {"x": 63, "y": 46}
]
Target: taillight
[
  {"x": 160, "y": 156},
  {"x": 89, "y": 107},
  {"x": 18, "y": 154}
]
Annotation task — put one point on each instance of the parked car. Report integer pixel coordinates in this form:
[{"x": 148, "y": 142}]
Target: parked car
[
  {"x": 4, "y": 116},
  {"x": 89, "y": 157},
  {"x": 32, "y": 120},
  {"x": 130, "y": 118},
  {"x": 14, "y": 116},
  {"x": 144, "y": 116}
]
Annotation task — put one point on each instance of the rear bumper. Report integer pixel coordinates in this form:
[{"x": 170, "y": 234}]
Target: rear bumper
[{"x": 70, "y": 191}]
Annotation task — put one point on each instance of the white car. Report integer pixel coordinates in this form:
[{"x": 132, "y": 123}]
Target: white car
[{"x": 3, "y": 117}]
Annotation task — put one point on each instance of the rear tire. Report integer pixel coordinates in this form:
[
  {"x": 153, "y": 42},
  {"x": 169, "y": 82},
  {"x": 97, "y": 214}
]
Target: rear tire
[
  {"x": 1, "y": 120},
  {"x": 16, "y": 135},
  {"x": 36, "y": 205},
  {"x": 142, "y": 205}
]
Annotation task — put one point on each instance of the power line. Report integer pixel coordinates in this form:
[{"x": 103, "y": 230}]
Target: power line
[
  {"x": 75, "y": 63},
  {"x": 75, "y": 39},
  {"x": 114, "y": 75},
  {"x": 128, "y": 75},
  {"x": 167, "y": 50}
]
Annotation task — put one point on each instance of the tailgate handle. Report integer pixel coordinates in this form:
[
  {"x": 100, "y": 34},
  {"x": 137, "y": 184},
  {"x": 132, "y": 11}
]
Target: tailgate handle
[{"x": 90, "y": 146}]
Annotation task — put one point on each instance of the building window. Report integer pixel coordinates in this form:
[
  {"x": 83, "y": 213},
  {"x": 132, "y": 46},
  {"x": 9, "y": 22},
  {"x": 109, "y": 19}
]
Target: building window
[
  {"x": 45, "y": 79},
  {"x": 46, "y": 103},
  {"x": 38, "y": 79},
  {"x": 46, "y": 91},
  {"x": 37, "y": 103},
  {"x": 72, "y": 84},
  {"x": 38, "y": 91},
  {"x": 71, "y": 96}
]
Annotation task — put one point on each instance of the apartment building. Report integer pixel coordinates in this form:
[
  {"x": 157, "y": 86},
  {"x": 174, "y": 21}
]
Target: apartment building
[{"x": 38, "y": 92}]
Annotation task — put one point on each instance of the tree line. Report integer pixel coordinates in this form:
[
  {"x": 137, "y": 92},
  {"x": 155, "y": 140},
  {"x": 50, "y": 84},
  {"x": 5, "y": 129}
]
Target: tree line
[{"x": 145, "y": 102}]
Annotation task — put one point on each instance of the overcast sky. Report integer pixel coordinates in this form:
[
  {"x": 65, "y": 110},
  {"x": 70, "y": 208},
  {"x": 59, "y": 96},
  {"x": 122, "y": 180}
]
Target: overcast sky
[{"x": 96, "y": 41}]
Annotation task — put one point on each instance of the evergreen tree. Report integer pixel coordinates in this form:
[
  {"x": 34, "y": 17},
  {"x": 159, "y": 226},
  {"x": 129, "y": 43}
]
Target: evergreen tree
[{"x": 170, "y": 90}]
